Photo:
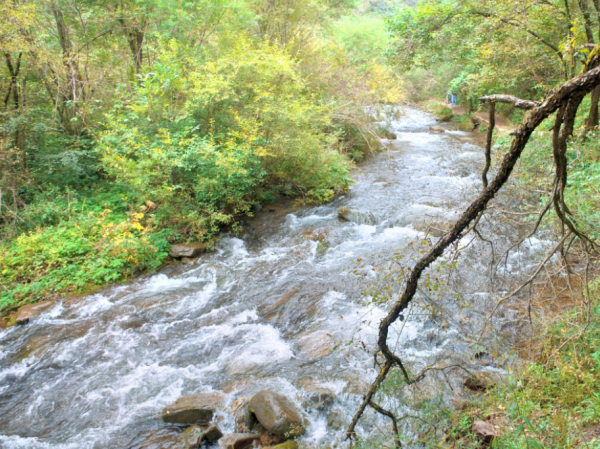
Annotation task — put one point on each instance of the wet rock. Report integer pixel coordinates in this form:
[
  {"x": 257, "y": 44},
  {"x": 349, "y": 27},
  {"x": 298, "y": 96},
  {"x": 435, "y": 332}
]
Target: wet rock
[
  {"x": 213, "y": 433},
  {"x": 318, "y": 396},
  {"x": 266, "y": 438},
  {"x": 335, "y": 420},
  {"x": 484, "y": 431},
  {"x": 436, "y": 130},
  {"x": 3, "y": 323},
  {"x": 191, "y": 438},
  {"x": 390, "y": 135},
  {"x": 242, "y": 415},
  {"x": 316, "y": 345},
  {"x": 479, "y": 382},
  {"x": 30, "y": 311},
  {"x": 356, "y": 384},
  {"x": 344, "y": 214},
  {"x": 36, "y": 346},
  {"x": 265, "y": 310},
  {"x": 188, "y": 250},
  {"x": 193, "y": 409},
  {"x": 315, "y": 236},
  {"x": 238, "y": 441},
  {"x": 356, "y": 216},
  {"x": 163, "y": 438},
  {"x": 277, "y": 414},
  {"x": 238, "y": 386},
  {"x": 187, "y": 261}
]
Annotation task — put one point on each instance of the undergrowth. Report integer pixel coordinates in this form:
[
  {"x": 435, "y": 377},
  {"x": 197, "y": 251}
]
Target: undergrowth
[{"x": 554, "y": 401}]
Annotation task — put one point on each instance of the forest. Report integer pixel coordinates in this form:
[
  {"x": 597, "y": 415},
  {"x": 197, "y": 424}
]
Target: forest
[{"x": 430, "y": 166}]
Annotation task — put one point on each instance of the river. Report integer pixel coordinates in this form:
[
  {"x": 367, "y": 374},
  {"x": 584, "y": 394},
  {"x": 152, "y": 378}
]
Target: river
[{"x": 280, "y": 307}]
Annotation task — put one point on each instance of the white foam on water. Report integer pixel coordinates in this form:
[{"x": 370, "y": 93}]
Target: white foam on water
[
  {"x": 162, "y": 283},
  {"x": 16, "y": 442},
  {"x": 332, "y": 297},
  {"x": 245, "y": 316},
  {"x": 236, "y": 247},
  {"x": 18, "y": 369},
  {"x": 316, "y": 431},
  {"x": 262, "y": 345},
  {"x": 93, "y": 305}
]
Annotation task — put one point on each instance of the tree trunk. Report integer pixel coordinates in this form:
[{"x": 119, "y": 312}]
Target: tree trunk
[
  {"x": 73, "y": 93},
  {"x": 14, "y": 69},
  {"x": 136, "y": 44},
  {"x": 593, "y": 119}
]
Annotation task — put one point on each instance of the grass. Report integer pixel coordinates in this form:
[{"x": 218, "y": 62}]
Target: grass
[{"x": 554, "y": 401}]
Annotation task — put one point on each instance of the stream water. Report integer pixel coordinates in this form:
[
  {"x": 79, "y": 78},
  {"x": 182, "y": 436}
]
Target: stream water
[{"x": 263, "y": 311}]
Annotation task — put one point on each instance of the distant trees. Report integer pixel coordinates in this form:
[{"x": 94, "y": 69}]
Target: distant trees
[{"x": 523, "y": 47}]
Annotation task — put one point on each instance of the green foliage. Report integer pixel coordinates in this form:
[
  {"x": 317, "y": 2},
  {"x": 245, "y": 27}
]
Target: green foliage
[
  {"x": 583, "y": 154},
  {"x": 363, "y": 38},
  {"x": 490, "y": 45},
  {"x": 194, "y": 112},
  {"x": 441, "y": 111},
  {"x": 80, "y": 242}
]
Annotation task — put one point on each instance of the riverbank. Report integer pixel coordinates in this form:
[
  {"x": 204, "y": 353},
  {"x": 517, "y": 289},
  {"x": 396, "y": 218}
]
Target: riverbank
[
  {"x": 75, "y": 243},
  {"x": 552, "y": 397}
]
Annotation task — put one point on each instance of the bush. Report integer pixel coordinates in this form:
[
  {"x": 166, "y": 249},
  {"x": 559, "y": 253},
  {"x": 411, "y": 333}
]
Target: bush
[
  {"x": 441, "y": 111},
  {"x": 90, "y": 246}
]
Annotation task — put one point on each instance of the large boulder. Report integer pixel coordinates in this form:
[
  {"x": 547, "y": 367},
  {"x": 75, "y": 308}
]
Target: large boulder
[
  {"x": 193, "y": 409},
  {"x": 238, "y": 441},
  {"x": 30, "y": 311},
  {"x": 277, "y": 414},
  {"x": 188, "y": 250}
]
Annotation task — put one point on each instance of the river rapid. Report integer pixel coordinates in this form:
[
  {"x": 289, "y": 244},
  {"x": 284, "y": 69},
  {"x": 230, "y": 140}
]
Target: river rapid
[{"x": 280, "y": 307}]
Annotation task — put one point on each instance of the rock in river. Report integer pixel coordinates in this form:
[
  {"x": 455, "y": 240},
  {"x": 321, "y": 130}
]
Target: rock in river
[
  {"x": 277, "y": 414},
  {"x": 213, "y": 433},
  {"x": 188, "y": 250},
  {"x": 191, "y": 438},
  {"x": 238, "y": 441},
  {"x": 316, "y": 345},
  {"x": 317, "y": 395},
  {"x": 193, "y": 409},
  {"x": 26, "y": 313}
]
